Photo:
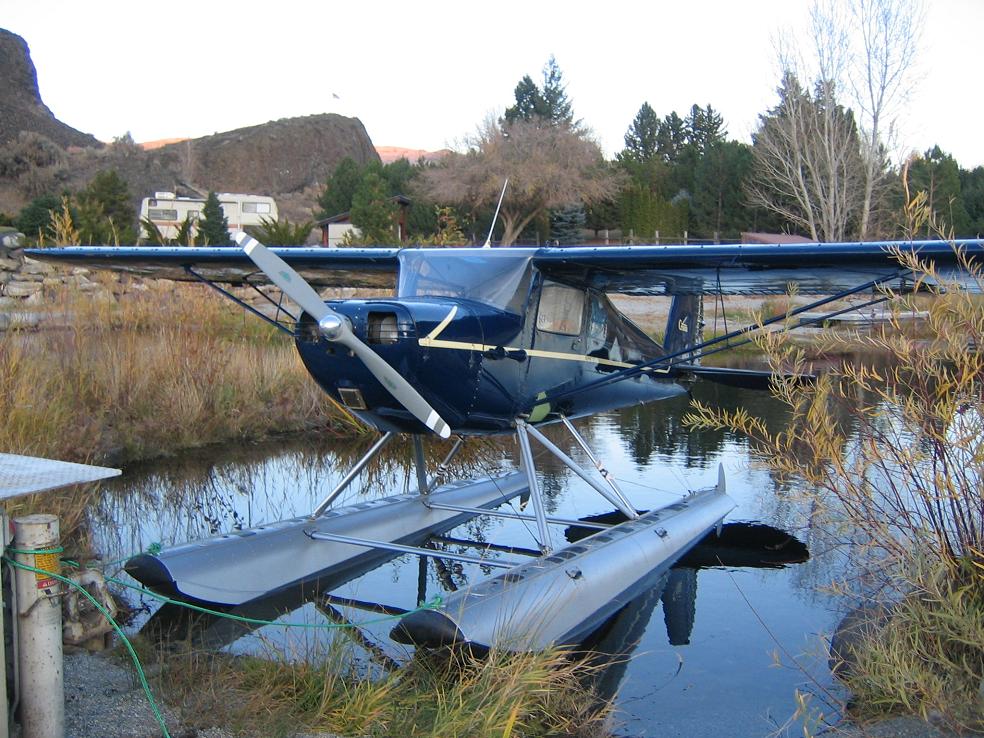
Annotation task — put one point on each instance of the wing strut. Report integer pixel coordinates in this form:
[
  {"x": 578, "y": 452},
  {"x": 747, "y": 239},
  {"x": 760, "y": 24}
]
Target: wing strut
[{"x": 686, "y": 355}]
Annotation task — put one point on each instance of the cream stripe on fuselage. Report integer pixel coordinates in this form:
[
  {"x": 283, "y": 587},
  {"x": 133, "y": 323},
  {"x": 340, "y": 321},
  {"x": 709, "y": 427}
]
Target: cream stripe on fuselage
[{"x": 432, "y": 341}]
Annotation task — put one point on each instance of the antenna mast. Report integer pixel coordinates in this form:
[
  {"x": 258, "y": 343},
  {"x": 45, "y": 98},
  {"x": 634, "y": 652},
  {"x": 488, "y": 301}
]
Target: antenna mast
[{"x": 488, "y": 241}]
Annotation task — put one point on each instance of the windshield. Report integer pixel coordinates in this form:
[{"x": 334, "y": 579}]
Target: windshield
[{"x": 496, "y": 277}]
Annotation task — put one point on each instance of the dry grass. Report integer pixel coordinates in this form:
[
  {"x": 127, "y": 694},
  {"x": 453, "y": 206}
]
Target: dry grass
[
  {"x": 928, "y": 659},
  {"x": 434, "y": 696},
  {"x": 149, "y": 373}
]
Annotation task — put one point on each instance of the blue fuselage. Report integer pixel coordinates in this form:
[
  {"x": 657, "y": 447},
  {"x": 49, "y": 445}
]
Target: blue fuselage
[{"x": 482, "y": 366}]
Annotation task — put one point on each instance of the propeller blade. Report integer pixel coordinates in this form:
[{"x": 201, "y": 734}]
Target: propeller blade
[
  {"x": 400, "y": 388},
  {"x": 283, "y": 275},
  {"x": 296, "y": 288}
]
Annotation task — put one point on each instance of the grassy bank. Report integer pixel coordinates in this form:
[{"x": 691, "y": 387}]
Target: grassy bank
[
  {"x": 892, "y": 454},
  {"x": 446, "y": 695},
  {"x": 148, "y": 373}
]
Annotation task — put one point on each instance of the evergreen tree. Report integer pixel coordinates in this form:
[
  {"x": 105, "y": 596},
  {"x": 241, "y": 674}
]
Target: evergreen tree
[
  {"x": 548, "y": 105},
  {"x": 972, "y": 190},
  {"x": 671, "y": 138},
  {"x": 106, "y": 211},
  {"x": 341, "y": 186},
  {"x": 530, "y": 104},
  {"x": 705, "y": 128},
  {"x": 34, "y": 219},
  {"x": 373, "y": 211},
  {"x": 718, "y": 204},
  {"x": 213, "y": 228},
  {"x": 936, "y": 173},
  {"x": 558, "y": 105},
  {"x": 642, "y": 138},
  {"x": 566, "y": 224}
]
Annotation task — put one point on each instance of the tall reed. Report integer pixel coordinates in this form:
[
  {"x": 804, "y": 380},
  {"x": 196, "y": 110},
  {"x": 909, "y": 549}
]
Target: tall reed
[{"x": 149, "y": 372}]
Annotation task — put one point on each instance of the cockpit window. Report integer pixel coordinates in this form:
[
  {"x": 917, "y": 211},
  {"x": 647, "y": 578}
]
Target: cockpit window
[
  {"x": 561, "y": 309},
  {"x": 497, "y": 277}
]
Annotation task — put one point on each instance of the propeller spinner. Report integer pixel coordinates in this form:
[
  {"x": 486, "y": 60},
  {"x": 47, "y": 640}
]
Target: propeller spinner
[{"x": 335, "y": 328}]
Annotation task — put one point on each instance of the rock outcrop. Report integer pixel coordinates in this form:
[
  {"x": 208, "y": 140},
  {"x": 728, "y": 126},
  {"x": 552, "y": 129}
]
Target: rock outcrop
[
  {"x": 22, "y": 107},
  {"x": 289, "y": 159}
]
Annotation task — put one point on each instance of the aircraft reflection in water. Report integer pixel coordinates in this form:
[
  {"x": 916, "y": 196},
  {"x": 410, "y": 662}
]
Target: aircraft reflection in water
[{"x": 744, "y": 545}]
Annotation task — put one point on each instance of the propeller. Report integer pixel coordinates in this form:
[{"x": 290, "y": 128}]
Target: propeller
[{"x": 335, "y": 328}]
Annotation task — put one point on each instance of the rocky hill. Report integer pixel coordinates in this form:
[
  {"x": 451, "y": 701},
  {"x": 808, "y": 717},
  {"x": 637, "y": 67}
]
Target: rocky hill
[
  {"x": 22, "y": 108},
  {"x": 289, "y": 159}
]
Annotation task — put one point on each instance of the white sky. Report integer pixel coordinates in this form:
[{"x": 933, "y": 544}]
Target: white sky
[{"x": 423, "y": 75}]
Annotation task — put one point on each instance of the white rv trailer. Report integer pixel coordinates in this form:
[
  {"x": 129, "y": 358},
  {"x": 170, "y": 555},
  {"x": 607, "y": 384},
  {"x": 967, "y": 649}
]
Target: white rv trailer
[{"x": 168, "y": 212}]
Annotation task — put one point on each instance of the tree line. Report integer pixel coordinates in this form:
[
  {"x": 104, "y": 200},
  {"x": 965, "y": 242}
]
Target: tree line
[{"x": 819, "y": 164}]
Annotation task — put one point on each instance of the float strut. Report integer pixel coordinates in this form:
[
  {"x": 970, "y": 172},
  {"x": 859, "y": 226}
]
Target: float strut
[
  {"x": 443, "y": 466},
  {"x": 605, "y": 474},
  {"x": 420, "y": 463},
  {"x": 527, "y": 456},
  {"x": 617, "y": 501},
  {"x": 353, "y": 473}
]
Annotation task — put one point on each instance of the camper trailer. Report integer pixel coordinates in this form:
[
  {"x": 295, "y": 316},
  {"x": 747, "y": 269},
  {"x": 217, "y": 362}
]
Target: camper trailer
[{"x": 167, "y": 211}]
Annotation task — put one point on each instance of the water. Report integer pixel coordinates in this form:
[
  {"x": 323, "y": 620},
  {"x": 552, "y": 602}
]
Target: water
[{"x": 741, "y": 640}]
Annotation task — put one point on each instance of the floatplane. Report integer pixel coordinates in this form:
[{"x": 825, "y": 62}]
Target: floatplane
[{"x": 485, "y": 341}]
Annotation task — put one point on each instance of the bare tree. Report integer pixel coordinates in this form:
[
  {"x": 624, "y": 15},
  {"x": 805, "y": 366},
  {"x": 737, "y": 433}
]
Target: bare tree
[
  {"x": 547, "y": 167},
  {"x": 889, "y": 32},
  {"x": 806, "y": 158},
  {"x": 818, "y": 166}
]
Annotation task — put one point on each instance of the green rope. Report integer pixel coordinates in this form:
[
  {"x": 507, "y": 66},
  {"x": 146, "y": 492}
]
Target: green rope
[
  {"x": 105, "y": 613},
  {"x": 35, "y": 551},
  {"x": 434, "y": 603}
]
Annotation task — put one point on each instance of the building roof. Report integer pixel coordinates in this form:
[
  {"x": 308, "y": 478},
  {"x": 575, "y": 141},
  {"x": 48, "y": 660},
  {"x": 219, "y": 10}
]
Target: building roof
[{"x": 401, "y": 200}]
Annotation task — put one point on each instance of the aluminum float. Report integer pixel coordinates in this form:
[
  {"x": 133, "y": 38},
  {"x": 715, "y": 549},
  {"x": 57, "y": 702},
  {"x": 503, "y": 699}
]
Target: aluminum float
[
  {"x": 560, "y": 597},
  {"x": 237, "y": 567}
]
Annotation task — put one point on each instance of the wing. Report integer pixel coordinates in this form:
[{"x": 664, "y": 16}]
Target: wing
[
  {"x": 753, "y": 269},
  {"x": 369, "y": 267}
]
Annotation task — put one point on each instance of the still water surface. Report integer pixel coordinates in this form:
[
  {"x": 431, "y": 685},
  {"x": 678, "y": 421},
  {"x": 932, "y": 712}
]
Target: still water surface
[{"x": 717, "y": 651}]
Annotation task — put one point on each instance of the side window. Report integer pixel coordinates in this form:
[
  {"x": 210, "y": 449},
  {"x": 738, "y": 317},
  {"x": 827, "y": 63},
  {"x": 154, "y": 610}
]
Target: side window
[{"x": 561, "y": 309}]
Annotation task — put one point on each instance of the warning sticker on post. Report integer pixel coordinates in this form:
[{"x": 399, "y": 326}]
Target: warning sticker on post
[{"x": 46, "y": 562}]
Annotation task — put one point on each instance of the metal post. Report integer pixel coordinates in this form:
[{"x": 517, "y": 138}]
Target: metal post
[
  {"x": 353, "y": 473},
  {"x": 4, "y": 706},
  {"x": 40, "y": 665},
  {"x": 541, "y": 514}
]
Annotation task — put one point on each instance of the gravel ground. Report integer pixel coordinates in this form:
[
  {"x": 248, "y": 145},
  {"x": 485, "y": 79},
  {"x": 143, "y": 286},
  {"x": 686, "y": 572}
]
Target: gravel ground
[{"x": 105, "y": 700}]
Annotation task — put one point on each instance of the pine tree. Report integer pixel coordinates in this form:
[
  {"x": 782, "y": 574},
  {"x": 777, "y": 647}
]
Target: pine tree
[
  {"x": 642, "y": 138},
  {"x": 548, "y": 105},
  {"x": 111, "y": 216},
  {"x": 937, "y": 174},
  {"x": 373, "y": 211},
  {"x": 530, "y": 104},
  {"x": 213, "y": 228},
  {"x": 341, "y": 186},
  {"x": 558, "y": 105},
  {"x": 566, "y": 224},
  {"x": 705, "y": 128}
]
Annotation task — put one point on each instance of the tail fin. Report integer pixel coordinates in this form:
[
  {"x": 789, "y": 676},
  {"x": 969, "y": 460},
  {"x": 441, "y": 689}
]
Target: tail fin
[{"x": 684, "y": 325}]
